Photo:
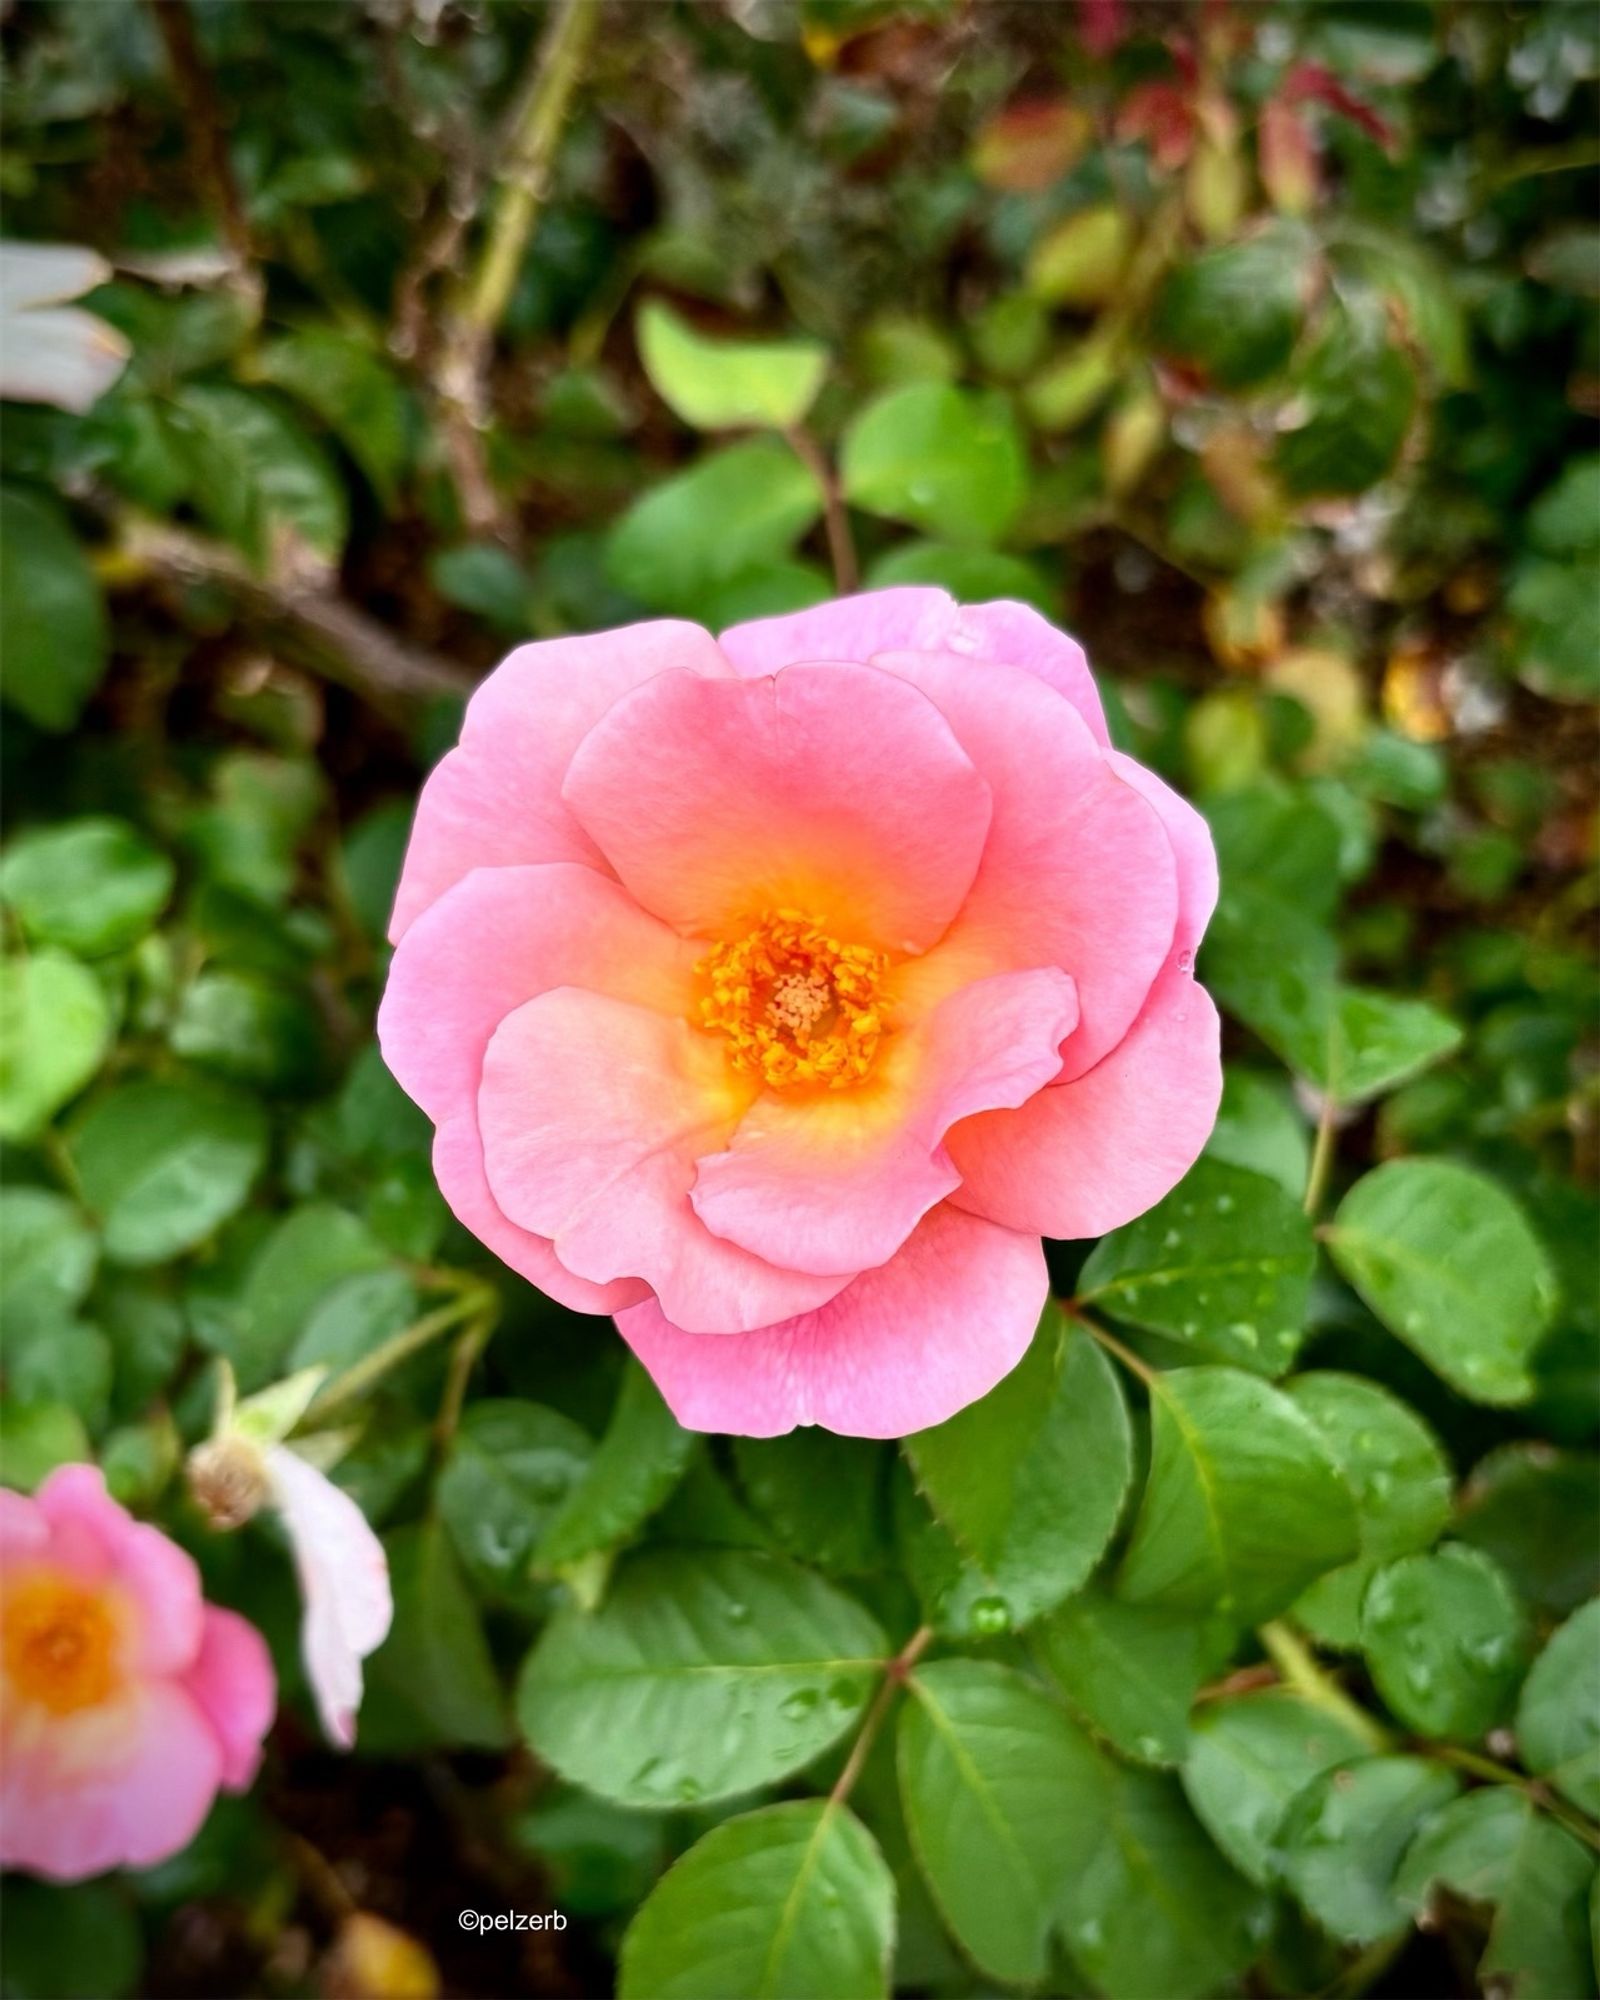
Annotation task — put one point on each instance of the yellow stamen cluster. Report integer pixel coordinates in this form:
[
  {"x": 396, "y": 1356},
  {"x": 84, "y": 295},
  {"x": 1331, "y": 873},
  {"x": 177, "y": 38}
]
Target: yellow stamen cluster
[
  {"x": 796, "y": 1005},
  {"x": 60, "y": 1643}
]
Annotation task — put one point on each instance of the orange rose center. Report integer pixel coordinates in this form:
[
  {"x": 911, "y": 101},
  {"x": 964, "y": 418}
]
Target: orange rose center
[
  {"x": 796, "y": 1005},
  {"x": 59, "y": 1643}
]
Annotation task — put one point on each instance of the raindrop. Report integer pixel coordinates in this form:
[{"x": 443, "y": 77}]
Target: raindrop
[
  {"x": 738, "y": 1614},
  {"x": 1224, "y": 1204},
  {"x": 990, "y": 1615},
  {"x": 688, "y": 1790},
  {"x": 799, "y": 1705}
]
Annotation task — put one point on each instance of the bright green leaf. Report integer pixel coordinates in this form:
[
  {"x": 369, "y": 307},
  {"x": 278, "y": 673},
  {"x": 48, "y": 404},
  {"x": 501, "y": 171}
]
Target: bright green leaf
[
  {"x": 793, "y": 1902},
  {"x": 705, "y": 1673},
  {"x": 89, "y": 885},
  {"x": 717, "y": 384},
  {"x": 1448, "y": 1262},
  {"x": 55, "y": 1028},
  {"x": 947, "y": 461}
]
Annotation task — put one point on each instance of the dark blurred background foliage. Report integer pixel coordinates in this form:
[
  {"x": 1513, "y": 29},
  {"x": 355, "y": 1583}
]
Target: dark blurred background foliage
[{"x": 1255, "y": 344}]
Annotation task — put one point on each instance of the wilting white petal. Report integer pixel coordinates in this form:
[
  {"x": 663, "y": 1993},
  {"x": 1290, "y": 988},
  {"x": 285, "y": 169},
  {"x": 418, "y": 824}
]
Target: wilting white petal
[
  {"x": 45, "y": 274},
  {"x": 344, "y": 1579},
  {"x": 59, "y": 355}
]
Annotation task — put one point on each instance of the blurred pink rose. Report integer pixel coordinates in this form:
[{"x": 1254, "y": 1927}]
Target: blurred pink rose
[
  {"x": 776, "y": 995},
  {"x": 126, "y": 1701}
]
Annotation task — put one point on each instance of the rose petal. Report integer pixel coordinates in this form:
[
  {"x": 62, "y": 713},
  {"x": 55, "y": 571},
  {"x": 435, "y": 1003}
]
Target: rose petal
[
  {"x": 233, "y": 1682},
  {"x": 344, "y": 1580},
  {"x": 838, "y": 1181},
  {"x": 1078, "y": 870},
  {"x": 495, "y": 799},
  {"x": 837, "y": 790},
  {"x": 1087, "y": 1156},
  {"x": 902, "y": 1348},
  {"x": 94, "y": 1538},
  {"x": 593, "y": 1114}
]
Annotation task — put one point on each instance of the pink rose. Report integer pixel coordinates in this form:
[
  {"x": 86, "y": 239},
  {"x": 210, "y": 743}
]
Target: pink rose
[
  {"x": 776, "y": 995},
  {"x": 128, "y": 1701}
]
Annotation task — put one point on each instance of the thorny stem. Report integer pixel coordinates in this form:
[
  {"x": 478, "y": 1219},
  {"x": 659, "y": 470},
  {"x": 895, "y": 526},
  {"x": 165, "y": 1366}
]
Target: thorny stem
[
  {"x": 208, "y": 142},
  {"x": 896, "y": 1673},
  {"x": 835, "y": 521},
  {"x": 522, "y": 180}
]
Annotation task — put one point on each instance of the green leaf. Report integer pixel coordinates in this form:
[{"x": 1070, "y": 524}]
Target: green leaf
[
  {"x": 512, "y": 1466},
  {"x": 1081, "y": 260},
  {"x": 35, "y": 1440},
  {"x": 1002, "y": 1797},
  {"x": 1223, "y": 1263},
  {"x": 487, "y": 580},
  {"x": 1537, "y": 1512},
  {"x": 1399, "y": 1476},
  {"x": 55, "y": 1028},
  {"x": 1260, "y": 1128},
  {"x": 1558, "y": 1715},
  {"x": 1495, "y": 1846},
  {"x": 64, "y": 1362},
  {"x": 1378, "y": 1041},
  {"x": 247, "y": 838},
  {"x": 1446, "y": 1641},
  {"x": 256, "y": 477},
  {"x": 970, "y": 575},
  {"x": 737, "y": 509},
  {"x": 1132, "y": 1670},
  {"x": 48, "y": 1255},
  {"x": 164, "y": 1164},
  {"x": 947, "y": 461},
  {"x": 706, "y": 1673},
  {"x": 638, "y": 1462},
  {"x": 1244, "y": 1505},
  {"x": 1279, "y": 840},
  {"x": 1248, "y": 1758},
  {"x": 63, "y": 1943},
  {"x": 356, "y": 395},
  {"x": 1274, "y": 968},
  {"x": 306, "y": 1255},
  {"x": 767, "y": 591},
  {"x": 1236, "y": 310},
  {"x": 54, "y": 640},
  {"x": 432, "y": 1682},
  {"x": 824, "y": 1497},
  {"x": 1448, "y": 1262},
  {"x": 1157, "y": 1910},
  {"x": 793, "y": 1902},
  {"x": 1344, "y": 1836},
  {"x": 718, "y": 384},
  {"x": 91, "y": 886},
  {"x": 1029, "y": 1480},
  {"x": 251, "y": 1029},
  {"x": 1358, "y": 392}
]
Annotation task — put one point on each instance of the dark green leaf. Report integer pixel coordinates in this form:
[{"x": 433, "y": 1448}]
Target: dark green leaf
[
  {"x": 638, "y": 1462},
  {"x": 1223, "y": 1264},
  {"x": 705, "y": 1674},
  {"x": 789, "y": 1903},
  {"x": 512, "y": 1466},
  {"x": 53, "y": 637},
  {"x": 1131, "y": 1670},
  {"x": 1558, "y": 1716},
  {"x": 1029, "y": 1480},
  {"x": 824, "y": 1497},
  {"x": 1343, "y": 1838},
  {"x": 1537, "y": 1512},
  {"x": 1002, "y": 1798},
  {"x": 48, "y": 1255},
  {"x": 1244, "y": 1505},
  {"x": 432, "y": 1682},
  {"x": 1447, "y": 1261},
  {"x": 1446, "y": 1641},
  {"x": 255, "y": 475},
  {"x": 355, "y": 394},
  {"x": 1236, "y": 310}
]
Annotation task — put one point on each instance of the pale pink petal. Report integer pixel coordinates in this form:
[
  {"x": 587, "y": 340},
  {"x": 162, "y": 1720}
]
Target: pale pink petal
[
  {"x": 93, "y": 1538},
  {"x": 837, "y": 790},
  {"x": 1087, "y": 1156},
  {"x": 24, "y": 1531},
  {"x": 1079, "y": 869},
  {"x": 495, "y": 799},
  {"x": 902, "y": 1348},
  {"x": 593, "y": 1114},
  {"x": 344, "y": 1581},
  {"x": 47, "y": 274},
  {"x": 909, "y": 617},
  {"x": 59, "y": 355},
  {"x": 233, "y": 1682},
  {"x": 121, "y": 1785},
  {"x": 1191, "y": 844},
  {"x": 498, "y": 938},
  {"x": 1015, "y": 635},
  {"x": 838, "y": 1181},
  {"x": 458, "y": 1168}
]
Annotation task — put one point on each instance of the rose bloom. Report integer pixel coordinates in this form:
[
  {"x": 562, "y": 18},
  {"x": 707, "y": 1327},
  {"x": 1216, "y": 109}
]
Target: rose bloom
[
  {"x": 777, "y": 994},
  {"x": 126, "y": 1701}
]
